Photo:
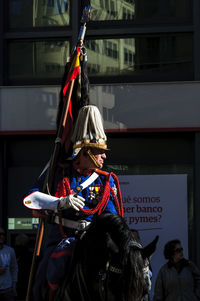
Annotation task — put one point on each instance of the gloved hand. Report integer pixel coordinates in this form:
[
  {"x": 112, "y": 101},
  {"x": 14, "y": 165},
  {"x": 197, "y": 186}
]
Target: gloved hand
[{"x": 71, "y": 201}]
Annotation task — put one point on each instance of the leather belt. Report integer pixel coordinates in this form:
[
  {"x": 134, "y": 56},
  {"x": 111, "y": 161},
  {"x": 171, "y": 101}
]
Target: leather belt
[{"x": 78, "y": 225}]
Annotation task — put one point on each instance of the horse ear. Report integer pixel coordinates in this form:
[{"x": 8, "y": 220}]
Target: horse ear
[
  {"x": 150, "y": 248},
  {"x": 111, "y": 244}
]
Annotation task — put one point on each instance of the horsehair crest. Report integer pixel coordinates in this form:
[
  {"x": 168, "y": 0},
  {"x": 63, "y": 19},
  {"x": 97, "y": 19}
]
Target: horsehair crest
[{"x": 89, "y": 124}]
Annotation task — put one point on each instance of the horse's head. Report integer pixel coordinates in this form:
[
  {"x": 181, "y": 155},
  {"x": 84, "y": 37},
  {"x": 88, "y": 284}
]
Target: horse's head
[
  {"x": 114, "y": 258},
  {"x": 108, "y": 263}
]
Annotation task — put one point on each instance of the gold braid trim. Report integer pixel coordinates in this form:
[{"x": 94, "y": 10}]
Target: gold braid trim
[
  {"x": 90, "y": 144},
  {"x": 93, "y": 158}
]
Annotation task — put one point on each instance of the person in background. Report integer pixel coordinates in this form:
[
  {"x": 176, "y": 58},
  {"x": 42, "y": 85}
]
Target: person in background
[
  {"x": 8, "y": 270},
  {"x": 179, "y": 278}
]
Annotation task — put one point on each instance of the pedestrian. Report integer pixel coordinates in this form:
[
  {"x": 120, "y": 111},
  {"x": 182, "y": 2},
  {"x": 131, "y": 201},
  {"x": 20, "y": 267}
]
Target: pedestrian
[
  {"x": 179, "y": 278},
  {"x": 8, "y": 270}
]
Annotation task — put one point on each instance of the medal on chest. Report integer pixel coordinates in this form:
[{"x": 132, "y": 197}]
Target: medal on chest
[{"x": 94, "y": 191}]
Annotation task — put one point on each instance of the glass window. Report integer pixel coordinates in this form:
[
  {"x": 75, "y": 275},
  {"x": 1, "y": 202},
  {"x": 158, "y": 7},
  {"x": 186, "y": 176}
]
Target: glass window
[
  {"x": 35, "y": 60},
  {"x": 38, "y": 13},
  {"x": 145, "y": 57},
  {"x": 142, "y": 10}
]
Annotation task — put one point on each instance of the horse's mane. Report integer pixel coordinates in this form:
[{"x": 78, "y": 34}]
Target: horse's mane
[{"x": 106, "y": 248}]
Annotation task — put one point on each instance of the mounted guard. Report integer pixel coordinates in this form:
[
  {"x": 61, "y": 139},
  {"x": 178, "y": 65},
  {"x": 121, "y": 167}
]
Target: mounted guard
[
  {"x": 72, "y": 192},
  {"x": 73, "y": 188}
]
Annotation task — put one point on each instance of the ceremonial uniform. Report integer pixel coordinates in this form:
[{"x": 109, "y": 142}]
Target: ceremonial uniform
[
  {"x": 67, "y": 181},
  {"x": 92, "y": 195}
]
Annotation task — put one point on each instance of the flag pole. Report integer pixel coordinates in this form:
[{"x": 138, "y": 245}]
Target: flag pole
[
  {"x": 54, "y": 159},
  {"x": 58, "y": 141}
]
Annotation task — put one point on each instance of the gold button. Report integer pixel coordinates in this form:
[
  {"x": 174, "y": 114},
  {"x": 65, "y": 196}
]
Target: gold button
[{"x": 28, "y": 202}]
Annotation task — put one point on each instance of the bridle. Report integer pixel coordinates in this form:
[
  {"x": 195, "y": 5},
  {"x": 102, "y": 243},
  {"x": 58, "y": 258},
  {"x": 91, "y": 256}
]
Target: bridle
[
  {"x": 109, "y": 268},
  {"x": 103, "y": 278}
]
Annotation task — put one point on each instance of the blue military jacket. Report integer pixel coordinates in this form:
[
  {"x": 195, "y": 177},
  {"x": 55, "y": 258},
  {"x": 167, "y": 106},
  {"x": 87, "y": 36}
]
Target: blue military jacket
[{"x": 91, "y": 194}]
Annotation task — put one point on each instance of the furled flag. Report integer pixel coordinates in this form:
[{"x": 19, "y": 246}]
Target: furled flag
[{"x": 75, "y": 91}]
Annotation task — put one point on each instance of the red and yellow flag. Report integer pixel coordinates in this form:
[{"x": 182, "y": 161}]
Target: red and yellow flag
[{"x": 74, "y": 72}]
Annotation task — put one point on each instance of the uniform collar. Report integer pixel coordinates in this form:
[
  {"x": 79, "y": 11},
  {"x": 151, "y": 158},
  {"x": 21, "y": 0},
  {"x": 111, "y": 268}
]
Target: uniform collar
[{"x": 82, "y": 171}]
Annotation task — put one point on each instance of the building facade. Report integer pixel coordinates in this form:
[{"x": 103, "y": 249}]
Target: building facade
[{"x": 144, "y": 70}]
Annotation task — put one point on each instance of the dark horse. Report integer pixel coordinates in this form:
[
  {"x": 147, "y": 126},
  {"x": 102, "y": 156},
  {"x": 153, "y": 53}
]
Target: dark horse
[{"x": 108, "y": 264}]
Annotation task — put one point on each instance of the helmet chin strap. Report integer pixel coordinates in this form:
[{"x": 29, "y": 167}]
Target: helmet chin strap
[{"x": 93, "y": 158}]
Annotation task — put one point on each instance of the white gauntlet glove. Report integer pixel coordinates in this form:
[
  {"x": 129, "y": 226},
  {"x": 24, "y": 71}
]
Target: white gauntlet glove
[{"x": 71, "y": 201}]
